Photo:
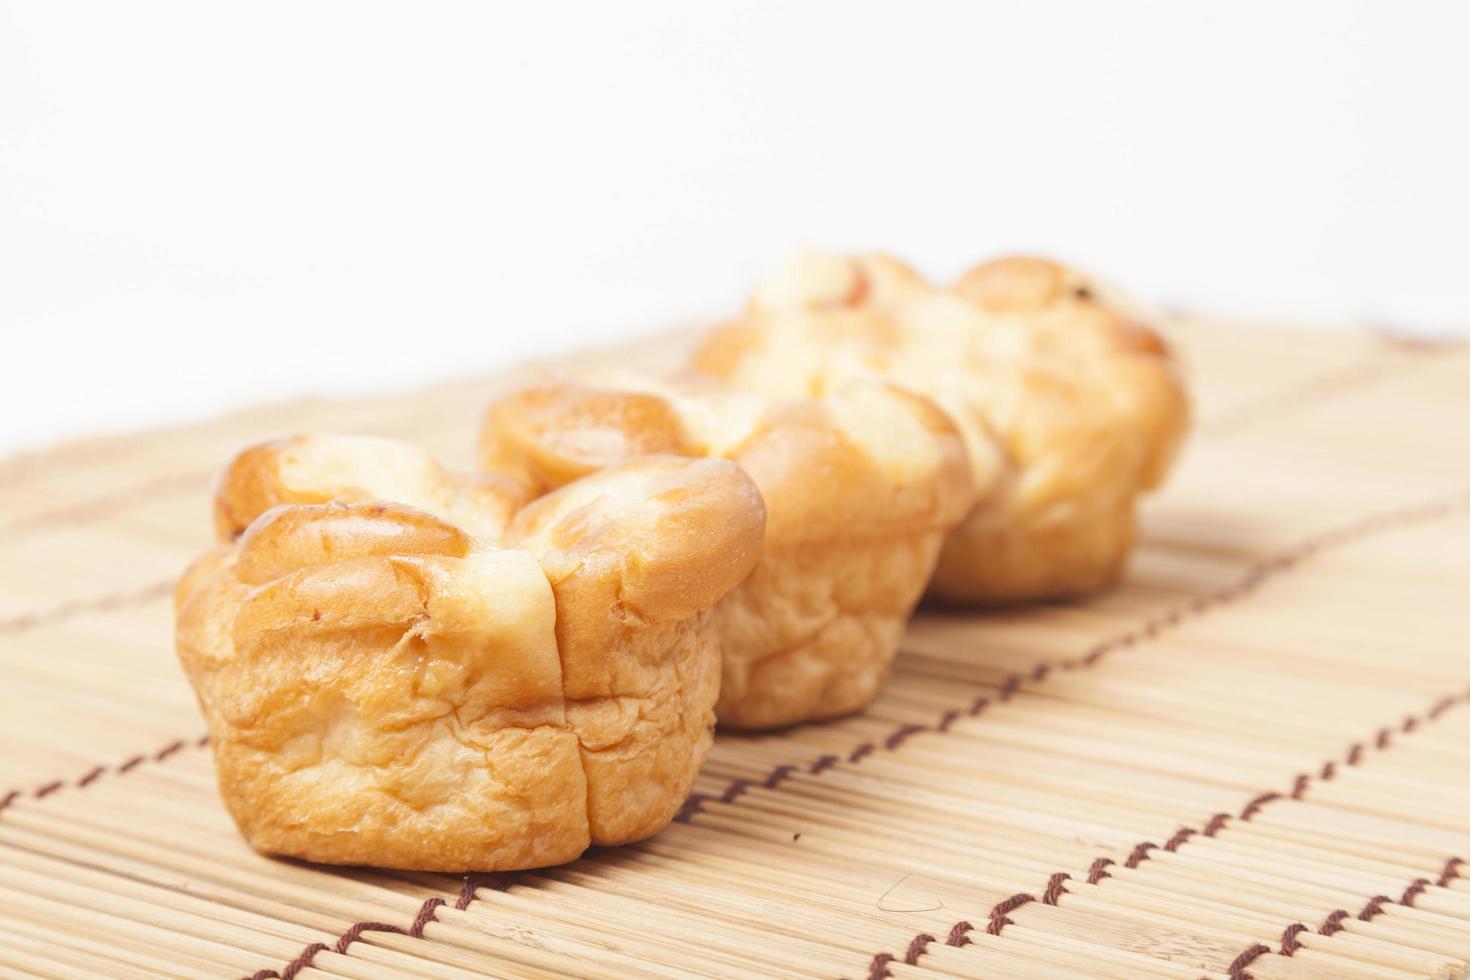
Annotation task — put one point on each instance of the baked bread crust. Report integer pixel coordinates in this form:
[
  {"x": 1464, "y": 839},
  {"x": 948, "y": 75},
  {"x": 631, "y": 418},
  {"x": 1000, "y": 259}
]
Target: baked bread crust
[
  {"x": 316, "y": 468},
  {"x": 1062, "y": 392},
  {"x": 860, "y": 489},
  {"x": 384, "y": 687}
]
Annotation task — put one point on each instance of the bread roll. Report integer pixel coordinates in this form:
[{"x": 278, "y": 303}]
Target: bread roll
[
  {"x": 860, "y": 489},
  {"x": 387, "y": 685},
  {"x": 1060, "y": 389}
]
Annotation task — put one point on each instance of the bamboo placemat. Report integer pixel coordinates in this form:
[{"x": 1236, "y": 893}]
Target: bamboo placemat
[{"x": 1252, "y": 758}]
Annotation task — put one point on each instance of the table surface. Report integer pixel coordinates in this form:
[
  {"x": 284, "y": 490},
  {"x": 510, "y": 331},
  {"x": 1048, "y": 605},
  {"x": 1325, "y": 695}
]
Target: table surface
[{"x": 1253, "y": 757}]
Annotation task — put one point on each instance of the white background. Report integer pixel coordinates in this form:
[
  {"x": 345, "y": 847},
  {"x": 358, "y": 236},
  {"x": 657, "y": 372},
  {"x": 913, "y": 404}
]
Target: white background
[{"x": 207, "y": 204}]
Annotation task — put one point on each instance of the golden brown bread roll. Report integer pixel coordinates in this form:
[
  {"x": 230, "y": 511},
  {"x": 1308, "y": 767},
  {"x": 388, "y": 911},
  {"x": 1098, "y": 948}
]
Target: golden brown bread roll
[
  {"x": 1055, "y": 382},
  {"x": 385, "y": 687},
  {"x": 321, "y": 467},
  {"x": 860, "y": 489}
]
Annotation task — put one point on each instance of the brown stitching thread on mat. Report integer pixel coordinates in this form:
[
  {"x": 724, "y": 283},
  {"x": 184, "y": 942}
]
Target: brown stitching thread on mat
[
  {"x": 1252, "y": 579},
  {"x": 917, "y": 948},
  {"x": 1289, "y": 942},
  {"x": 428, "y": 912},
  {"x": 90, "y": 511},
  {"x": 168, "y": 750},
  {"x": 1180, "y": 836},
  {"x": 1374, "y": 906},
  {"x": 103, "y": 603},
  {"x": 891, "y": 743},
  {"x": 998, "y": 920},
  {"x": 1414, "y": 891},
  {"x": 777, "y": 775},
  {"x": 1142, "y": 852},
  {"x": 1254, "y": 806},
  {"x": 97, "y": 772},
  {"x": 1219, "y": 820},
  {"x": 878, "y": 969},
  {"x": 1333, "y": 924},
  {"x": 1054, "y": 890},
  {"x": 1408, "y": 340},
  {"x": 1237, "y": 966}
]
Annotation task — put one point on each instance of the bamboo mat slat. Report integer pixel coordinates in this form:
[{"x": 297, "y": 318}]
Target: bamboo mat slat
[{"x": 1253, "y": 758}]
